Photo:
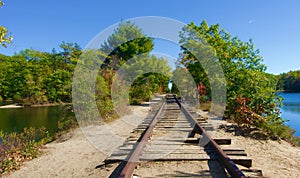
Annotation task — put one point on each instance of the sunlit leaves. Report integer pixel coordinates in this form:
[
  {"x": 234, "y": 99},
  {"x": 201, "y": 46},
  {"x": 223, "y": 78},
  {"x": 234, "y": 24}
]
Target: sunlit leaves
[
  {"x": 4, "y": 37},
  {"x": 126, "y": 42},
  {"x": 251, "y": 97}
]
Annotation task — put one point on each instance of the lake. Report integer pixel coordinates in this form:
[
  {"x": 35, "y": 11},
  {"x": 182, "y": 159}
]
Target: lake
[
  {"x": 291, "y": 110},
  {"x": 15, "y": 119}
]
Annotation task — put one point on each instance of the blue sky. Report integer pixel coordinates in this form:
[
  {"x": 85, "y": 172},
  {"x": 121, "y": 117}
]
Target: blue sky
[{"x": 42, "y": 25}]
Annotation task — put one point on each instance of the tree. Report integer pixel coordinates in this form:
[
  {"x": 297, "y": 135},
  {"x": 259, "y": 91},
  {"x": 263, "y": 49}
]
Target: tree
[
  {"x": 4, "y": 37},
  {"x": 34, "y": 77},
  {"x": 184, "y": 83},
  {"x": 146, "y": 75},
  {"x": 126, "y": 41},
  {"x": 71, "y": 52},
  {"x": 246, "y": 79}
]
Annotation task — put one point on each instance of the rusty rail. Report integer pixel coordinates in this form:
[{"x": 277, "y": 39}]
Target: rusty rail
[
  {"x": 230, "y": 166},
  {"x": 128, "y": 169}
]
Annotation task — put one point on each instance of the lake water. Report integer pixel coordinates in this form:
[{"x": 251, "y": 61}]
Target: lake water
[
  {"x": 291, "y": 110},
  {"x": 15, "y": 119}
]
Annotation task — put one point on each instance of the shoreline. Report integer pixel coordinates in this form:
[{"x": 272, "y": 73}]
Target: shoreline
[
  {"x": 9, "y": 106},
  {"x": 18, "y": 105},
  {"x": 49, "y": 104},
  {"x": 287, "y": 91}
]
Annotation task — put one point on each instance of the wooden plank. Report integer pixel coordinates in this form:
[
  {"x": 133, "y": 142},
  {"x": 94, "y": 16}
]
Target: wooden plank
[
  {"x": 208, "y": 128},
  {"x": 175, "y": 148},
  {"x": 176, "y": 157},
  {"x": 252, "y": 172},
  {"x": 219, "y": 141},
  {"x": 223, "y": 141},
  {"x": 244, "y": 161},
  {"x": 176, "y": 152},
  {"x": 236, "y": 153}
]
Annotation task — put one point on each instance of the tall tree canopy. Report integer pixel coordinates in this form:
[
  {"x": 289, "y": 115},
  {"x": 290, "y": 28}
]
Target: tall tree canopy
[
  {"x": 251, "y": 97},
  {"x": 127, "y": 41},
  {"x": 125, "y": 45}
]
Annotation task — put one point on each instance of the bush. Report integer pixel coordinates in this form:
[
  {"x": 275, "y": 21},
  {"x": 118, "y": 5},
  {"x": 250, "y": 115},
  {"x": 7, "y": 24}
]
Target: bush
[{"x": 18, "y": 147}]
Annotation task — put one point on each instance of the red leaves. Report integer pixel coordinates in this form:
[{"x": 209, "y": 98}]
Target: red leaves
[
  {"x": 201, "y": 89},
  {"x": 243, "y": 113}
]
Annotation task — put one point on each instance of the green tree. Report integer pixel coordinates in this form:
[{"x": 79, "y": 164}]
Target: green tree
[
  {"x": 126, "y": 41},
  {"x": 146, "y": 75},
  {"x": 4, "y": 65},
  {"x": 34, "y": 77},
  {"x": 246, "y": 81},
  {"x": 71, "y": 53}
]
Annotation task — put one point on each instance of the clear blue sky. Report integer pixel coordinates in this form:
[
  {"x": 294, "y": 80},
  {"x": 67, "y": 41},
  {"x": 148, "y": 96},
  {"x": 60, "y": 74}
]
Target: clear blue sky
[{"x": 42, "y": 25}]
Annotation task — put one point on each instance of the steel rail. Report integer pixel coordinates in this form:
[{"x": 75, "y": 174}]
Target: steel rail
[
  {"x": 230, "y": 166},
  {"x": 132, "y": 162}
]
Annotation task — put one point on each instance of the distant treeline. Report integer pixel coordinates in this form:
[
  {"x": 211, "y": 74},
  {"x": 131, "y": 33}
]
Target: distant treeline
[
  {"x": 289, "y": 82},
  {"x": 34, "y": 77}
]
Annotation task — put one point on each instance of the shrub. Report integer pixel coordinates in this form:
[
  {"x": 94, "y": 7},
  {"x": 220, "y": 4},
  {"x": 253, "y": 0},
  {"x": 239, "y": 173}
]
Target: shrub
[{"x": 18, "y": 147}]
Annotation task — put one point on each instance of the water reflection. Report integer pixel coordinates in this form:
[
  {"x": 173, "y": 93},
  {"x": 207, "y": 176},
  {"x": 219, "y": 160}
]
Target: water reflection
[
  {"x": 15, "y": 119},
  {"x": 291, "y": 110}
]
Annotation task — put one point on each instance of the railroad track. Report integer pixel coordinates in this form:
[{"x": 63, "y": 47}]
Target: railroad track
[{"x": 176, "y": 134}]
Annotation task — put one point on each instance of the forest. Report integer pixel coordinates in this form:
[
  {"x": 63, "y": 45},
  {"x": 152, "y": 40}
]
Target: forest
[{"x": 289, "y": 82}]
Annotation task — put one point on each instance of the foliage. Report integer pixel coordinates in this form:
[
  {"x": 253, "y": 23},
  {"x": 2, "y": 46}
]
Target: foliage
[
  {"x": 119, "y": 51},
  {"x": 144, "y": 87},
  {"x": 183, "y": 82},
  {"x": 146, "y": 75},
  {"x": 289, "y": 82},
  {"x": 126, "y": 42},
  {"x": 67, "y": 122},
  {"x": 4, "y": 37},
  {"x": 104, "y": 102},
  {"x": 18, "y": 147},
  {"x": 128, "y": 50},
  {"x": 34, "y": 77},
  {"x": 251, "y": 93}
]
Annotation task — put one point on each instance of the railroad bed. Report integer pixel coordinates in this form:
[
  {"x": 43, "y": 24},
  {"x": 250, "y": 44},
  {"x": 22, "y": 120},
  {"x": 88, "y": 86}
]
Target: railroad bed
[{"x": 174, "y": 141}]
